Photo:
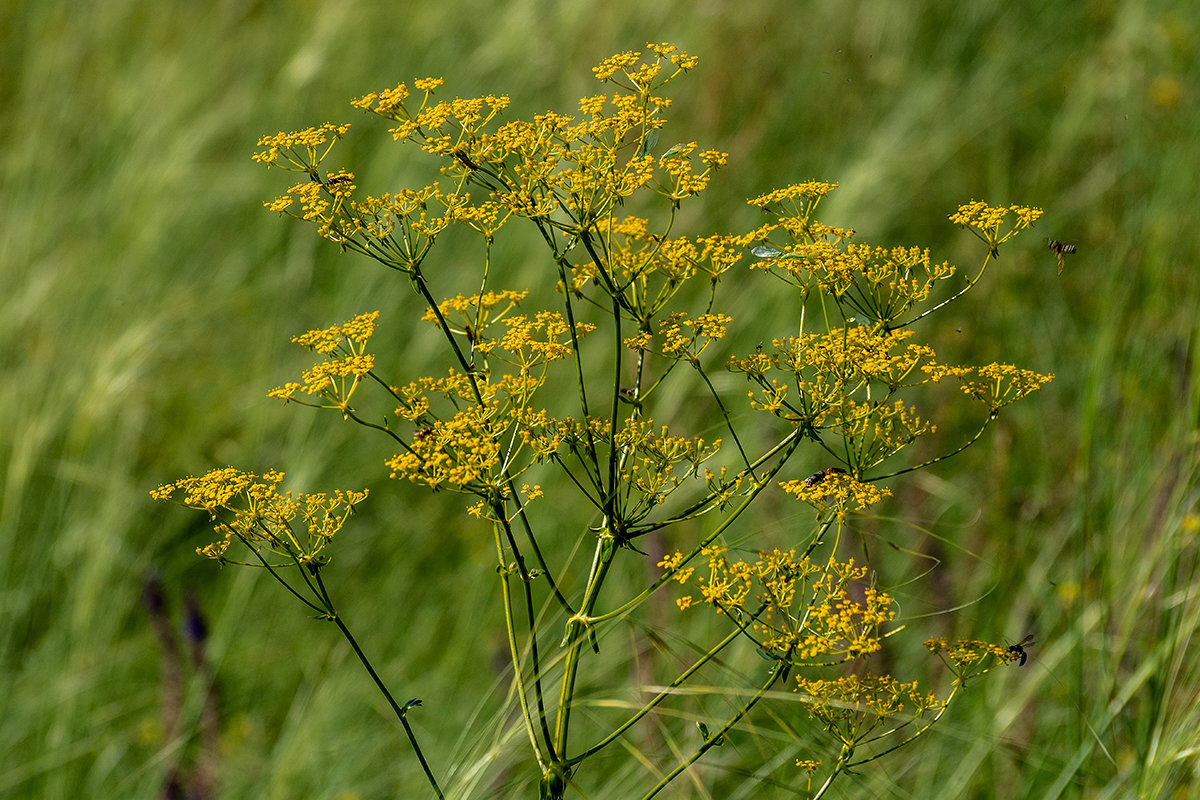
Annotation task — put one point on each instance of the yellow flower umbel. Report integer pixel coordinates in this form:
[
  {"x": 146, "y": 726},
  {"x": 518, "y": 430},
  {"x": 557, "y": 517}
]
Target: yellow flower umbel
[
  {"x": 795, "y": 610},
  {"x": 990, "y": 225},
  {"x": 994, "y": 385},
  {"x": 877, "y": 284},
  {"x": 250, "y": 509},
  {"x": 863, "y": 709},
  {"x": 837, "y": 492},
  {"x": 968, "y": 658},
  {"x": 337, "y": 379},
  {"x": 300, "y": 151}
]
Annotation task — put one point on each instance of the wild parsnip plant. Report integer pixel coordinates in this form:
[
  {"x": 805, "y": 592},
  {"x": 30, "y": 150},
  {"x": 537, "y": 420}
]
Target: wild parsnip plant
[{"x": 548, "y": 410}]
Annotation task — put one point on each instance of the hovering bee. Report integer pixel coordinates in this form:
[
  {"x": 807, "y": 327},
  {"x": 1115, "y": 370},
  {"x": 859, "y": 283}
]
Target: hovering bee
[
  {"x": 817, "y": 477},
  {"x": 1018, "y": 649},
  {"x": 1061, "y": 249}
]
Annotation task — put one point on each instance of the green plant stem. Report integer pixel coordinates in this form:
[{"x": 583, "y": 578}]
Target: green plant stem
[
  {"x": 468, "y": 368},
  {"x": 970, "y": 284},
  {"x": 724, "y": 414},
  {"x": 942, "y": 457},
  {"x": 838, "y": 768},
  {"x": 705, "y": 542},
  {"x": 779, "y": 673},
  {"x": 515, "y": 655},
  {"x": 537, "y": 551},
  {"x": 787, "y": 446},
  {"x": 577, "y": 358},
  {"x": 279, "y": 578},
  {"x": 654, "y": 702},
  {"x": 610, "y": 492},
  {"x": 400, "y": 712},
  {"x": 374, "y": 426},
  {"x": 820, "y": 536},
  {"x": 945, "y": 705},
  {"x": 331, "y": 614},
  {"x": 576, "y": 629},
  {"x": 535, "y": 658}
]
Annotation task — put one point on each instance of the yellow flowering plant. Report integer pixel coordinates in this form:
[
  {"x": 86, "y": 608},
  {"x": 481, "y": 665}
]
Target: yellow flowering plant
[{"x": 573, "y": 399}]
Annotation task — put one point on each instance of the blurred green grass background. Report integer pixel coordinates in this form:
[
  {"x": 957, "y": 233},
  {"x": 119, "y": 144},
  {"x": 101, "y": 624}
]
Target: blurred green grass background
[{"x": 149, "y": 299}]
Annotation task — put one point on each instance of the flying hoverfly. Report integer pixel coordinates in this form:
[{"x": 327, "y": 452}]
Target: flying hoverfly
[
  {"x": 1061, "y": 249},
  {"x": 1018, "y": 649}
]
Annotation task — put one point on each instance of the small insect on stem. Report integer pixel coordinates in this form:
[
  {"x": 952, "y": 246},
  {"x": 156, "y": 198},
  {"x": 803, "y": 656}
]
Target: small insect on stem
[
  {"x": 466, "y": 160},
  {"x": 1018, "y": 649},
  {"x": 1061, "y": 249},
  {"x": 817, "y": 477}
]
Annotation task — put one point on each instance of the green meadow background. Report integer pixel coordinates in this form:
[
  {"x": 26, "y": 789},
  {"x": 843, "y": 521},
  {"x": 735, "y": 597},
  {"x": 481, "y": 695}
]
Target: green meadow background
[{"x": 147, "y": 299}]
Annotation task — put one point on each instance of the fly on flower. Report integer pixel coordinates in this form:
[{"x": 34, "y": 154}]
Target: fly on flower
[
  {"x": 1061, "y": 249},
  {"x": 466, "y": 160},
  {"x": 1018, "y": 649},
  {"x": 817, "y": 477}
]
